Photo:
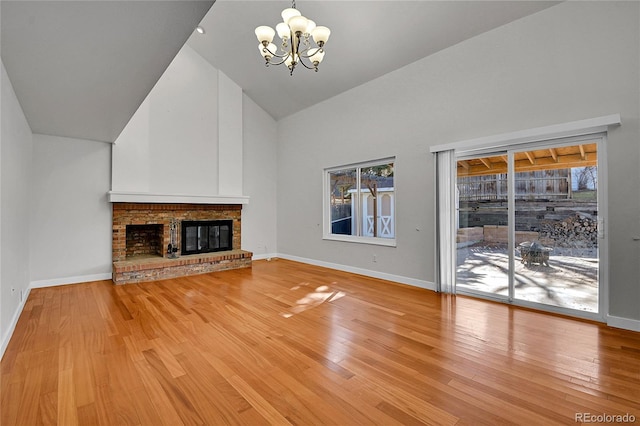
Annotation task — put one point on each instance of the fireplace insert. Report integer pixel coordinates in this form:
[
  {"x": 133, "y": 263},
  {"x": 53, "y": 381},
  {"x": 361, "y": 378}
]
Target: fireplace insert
[{"x": 206, "y": 236}]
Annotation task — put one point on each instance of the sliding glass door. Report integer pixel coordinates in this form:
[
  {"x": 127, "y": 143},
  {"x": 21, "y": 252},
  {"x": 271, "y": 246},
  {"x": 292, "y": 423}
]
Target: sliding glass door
[
  {"x": 529, "y": 227},
  {"x": 482, "y": 232}
]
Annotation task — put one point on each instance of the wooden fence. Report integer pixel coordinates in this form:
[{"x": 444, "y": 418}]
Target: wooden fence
[{"x": 546, "y": 184}]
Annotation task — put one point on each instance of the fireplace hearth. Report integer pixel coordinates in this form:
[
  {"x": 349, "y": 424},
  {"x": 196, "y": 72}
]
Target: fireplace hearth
[{"x": 208, "y": 240}]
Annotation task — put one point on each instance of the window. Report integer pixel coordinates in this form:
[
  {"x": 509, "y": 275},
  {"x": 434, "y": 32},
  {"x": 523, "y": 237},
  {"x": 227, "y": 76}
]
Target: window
[{"x": 360, "y": 203}]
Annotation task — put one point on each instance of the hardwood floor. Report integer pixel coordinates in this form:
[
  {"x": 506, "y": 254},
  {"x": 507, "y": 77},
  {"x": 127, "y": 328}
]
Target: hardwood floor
[{"x": 288, "y": 343}]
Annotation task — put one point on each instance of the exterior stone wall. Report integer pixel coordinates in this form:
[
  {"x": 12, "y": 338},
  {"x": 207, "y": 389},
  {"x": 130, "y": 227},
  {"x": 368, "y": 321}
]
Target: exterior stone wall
[
  {"x": 493, "y": 234},
  {"x": 498, "y": 234},
  {"x": 465, "y": 235}
]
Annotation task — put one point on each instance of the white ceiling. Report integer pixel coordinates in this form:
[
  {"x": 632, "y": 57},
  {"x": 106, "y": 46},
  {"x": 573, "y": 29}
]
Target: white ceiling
[
  {"x": 368, "y": 39},
  {"x": 82, "y": 68}
]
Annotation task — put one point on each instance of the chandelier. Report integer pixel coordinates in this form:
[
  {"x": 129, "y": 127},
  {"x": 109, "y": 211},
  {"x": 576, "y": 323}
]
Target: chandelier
[{"x": 296, "y": 33}]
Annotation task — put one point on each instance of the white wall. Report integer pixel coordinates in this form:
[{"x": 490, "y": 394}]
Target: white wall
[
  {"x": 170, "y": 145},
  {"x": 15, "y": 174},
  {"x": 260, "y": 175},
  {"x": 230, "y": 119},
  {"x": 573, "y": 61},
  {"x": 70, "y": 216}
]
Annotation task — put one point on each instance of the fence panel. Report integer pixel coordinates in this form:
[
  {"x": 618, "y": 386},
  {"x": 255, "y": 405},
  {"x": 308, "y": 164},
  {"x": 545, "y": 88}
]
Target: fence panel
[{"x": 545, "y": 184}]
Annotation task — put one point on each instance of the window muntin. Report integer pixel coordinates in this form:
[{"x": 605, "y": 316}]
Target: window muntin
[{"x": 361, "y": 202}]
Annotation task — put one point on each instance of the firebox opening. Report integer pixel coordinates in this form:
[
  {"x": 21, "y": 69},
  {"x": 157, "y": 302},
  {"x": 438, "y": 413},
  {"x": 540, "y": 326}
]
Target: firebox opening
[
  {"x": 206, "y": 236},
  {"x": 144, "y": 240}
]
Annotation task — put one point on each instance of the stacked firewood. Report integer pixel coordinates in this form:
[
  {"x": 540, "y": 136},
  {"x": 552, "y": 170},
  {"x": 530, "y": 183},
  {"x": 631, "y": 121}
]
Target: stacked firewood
[{"x": 576, "y": 231}]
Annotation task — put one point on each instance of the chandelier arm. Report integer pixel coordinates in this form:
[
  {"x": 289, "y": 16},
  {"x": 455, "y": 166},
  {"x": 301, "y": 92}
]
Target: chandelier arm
[
  {"x": 266, "y": 49},
  {"x": 313, "y": 67},
  {"x": 303, "y": 53},
  {"x": 279, "y": 63}
]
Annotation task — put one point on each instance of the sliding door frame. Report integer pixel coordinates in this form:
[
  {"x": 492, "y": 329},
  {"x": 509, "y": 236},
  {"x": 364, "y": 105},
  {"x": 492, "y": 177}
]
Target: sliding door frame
[{"x": 603, "y": 260}]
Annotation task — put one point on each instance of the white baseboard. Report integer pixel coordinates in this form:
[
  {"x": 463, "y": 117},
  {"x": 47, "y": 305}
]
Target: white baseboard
[
  {"x": 266, "y": 256},
  {"x": 361, "y": 271},
  {"x": 14, "y": 322},
  {"x": 625, "y": 323},
  {"x": 70, "y": 280}
]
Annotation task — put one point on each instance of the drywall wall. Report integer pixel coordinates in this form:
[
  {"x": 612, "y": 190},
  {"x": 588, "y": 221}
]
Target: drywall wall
[
  {"x": 70, "y": 217},
  {"x": 230, "y": 121},
  {"x": 260, "y": 175},
  {"x": 15, "y": 174},
  {"x": 170, "y": 145},
  {"x": 573, "y": 61}
]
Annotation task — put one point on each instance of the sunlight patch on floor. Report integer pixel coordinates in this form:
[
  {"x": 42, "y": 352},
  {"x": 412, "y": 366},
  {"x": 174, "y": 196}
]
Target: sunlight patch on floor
[{"x": 322, "y": 294}]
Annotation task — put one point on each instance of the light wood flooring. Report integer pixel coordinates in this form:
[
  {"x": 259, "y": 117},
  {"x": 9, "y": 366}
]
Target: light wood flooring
[{"x": 289, "y": 343}]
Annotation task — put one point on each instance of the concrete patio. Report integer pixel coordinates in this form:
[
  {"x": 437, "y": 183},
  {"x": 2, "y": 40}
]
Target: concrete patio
[{"x": 570, "y": 280}]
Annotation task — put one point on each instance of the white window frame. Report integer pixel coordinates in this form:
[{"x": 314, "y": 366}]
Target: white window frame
[{"x": 326, "y": 205}]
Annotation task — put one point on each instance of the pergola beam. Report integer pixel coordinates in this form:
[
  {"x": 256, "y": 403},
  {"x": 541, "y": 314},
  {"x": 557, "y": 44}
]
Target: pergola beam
[
  {"x": 582, "y": 153},
  {"x": 553, "y": 157},
  {"x": 524, "y": 165},
  {"x": 532, "y": 160}
]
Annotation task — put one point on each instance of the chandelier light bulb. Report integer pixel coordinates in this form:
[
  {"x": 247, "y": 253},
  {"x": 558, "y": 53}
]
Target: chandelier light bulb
[
  {"x": 267, "y": 51},
  {"x": 321, "y": 35},
  {"x": 265, "y": 34},
  {"x": 289, "y": 13},
  {"x": 283, "y": 30},
  {"x": 289, "y": 61},
  {"x": 316, "y": 55},
  {"x": 298, "y": 24},
  {"x": 310, "y": 27}
]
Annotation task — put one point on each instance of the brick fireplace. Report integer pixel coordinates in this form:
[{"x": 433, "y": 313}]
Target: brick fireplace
[{"x": 142, "y": 235}]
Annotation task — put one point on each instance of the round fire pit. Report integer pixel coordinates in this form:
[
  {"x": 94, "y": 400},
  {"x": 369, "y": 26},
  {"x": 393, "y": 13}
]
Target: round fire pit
[{"x": 534, "y": 252}]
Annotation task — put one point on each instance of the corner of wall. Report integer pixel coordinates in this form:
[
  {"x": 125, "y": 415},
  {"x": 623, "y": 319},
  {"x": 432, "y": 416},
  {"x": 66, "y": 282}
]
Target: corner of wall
[{"x": 15, "y": 180}]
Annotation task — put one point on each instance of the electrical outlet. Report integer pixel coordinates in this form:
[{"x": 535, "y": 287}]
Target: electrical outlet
[{"x": 375, "y": 258}]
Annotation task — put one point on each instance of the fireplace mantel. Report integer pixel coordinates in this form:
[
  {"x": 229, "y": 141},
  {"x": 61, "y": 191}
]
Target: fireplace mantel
[{"x": 146, "y": 197}]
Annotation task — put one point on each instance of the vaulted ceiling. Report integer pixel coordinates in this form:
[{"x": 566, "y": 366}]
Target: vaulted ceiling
[
  {"x": 368, "y": 39},
  {"x": 82, "y": 68}
]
